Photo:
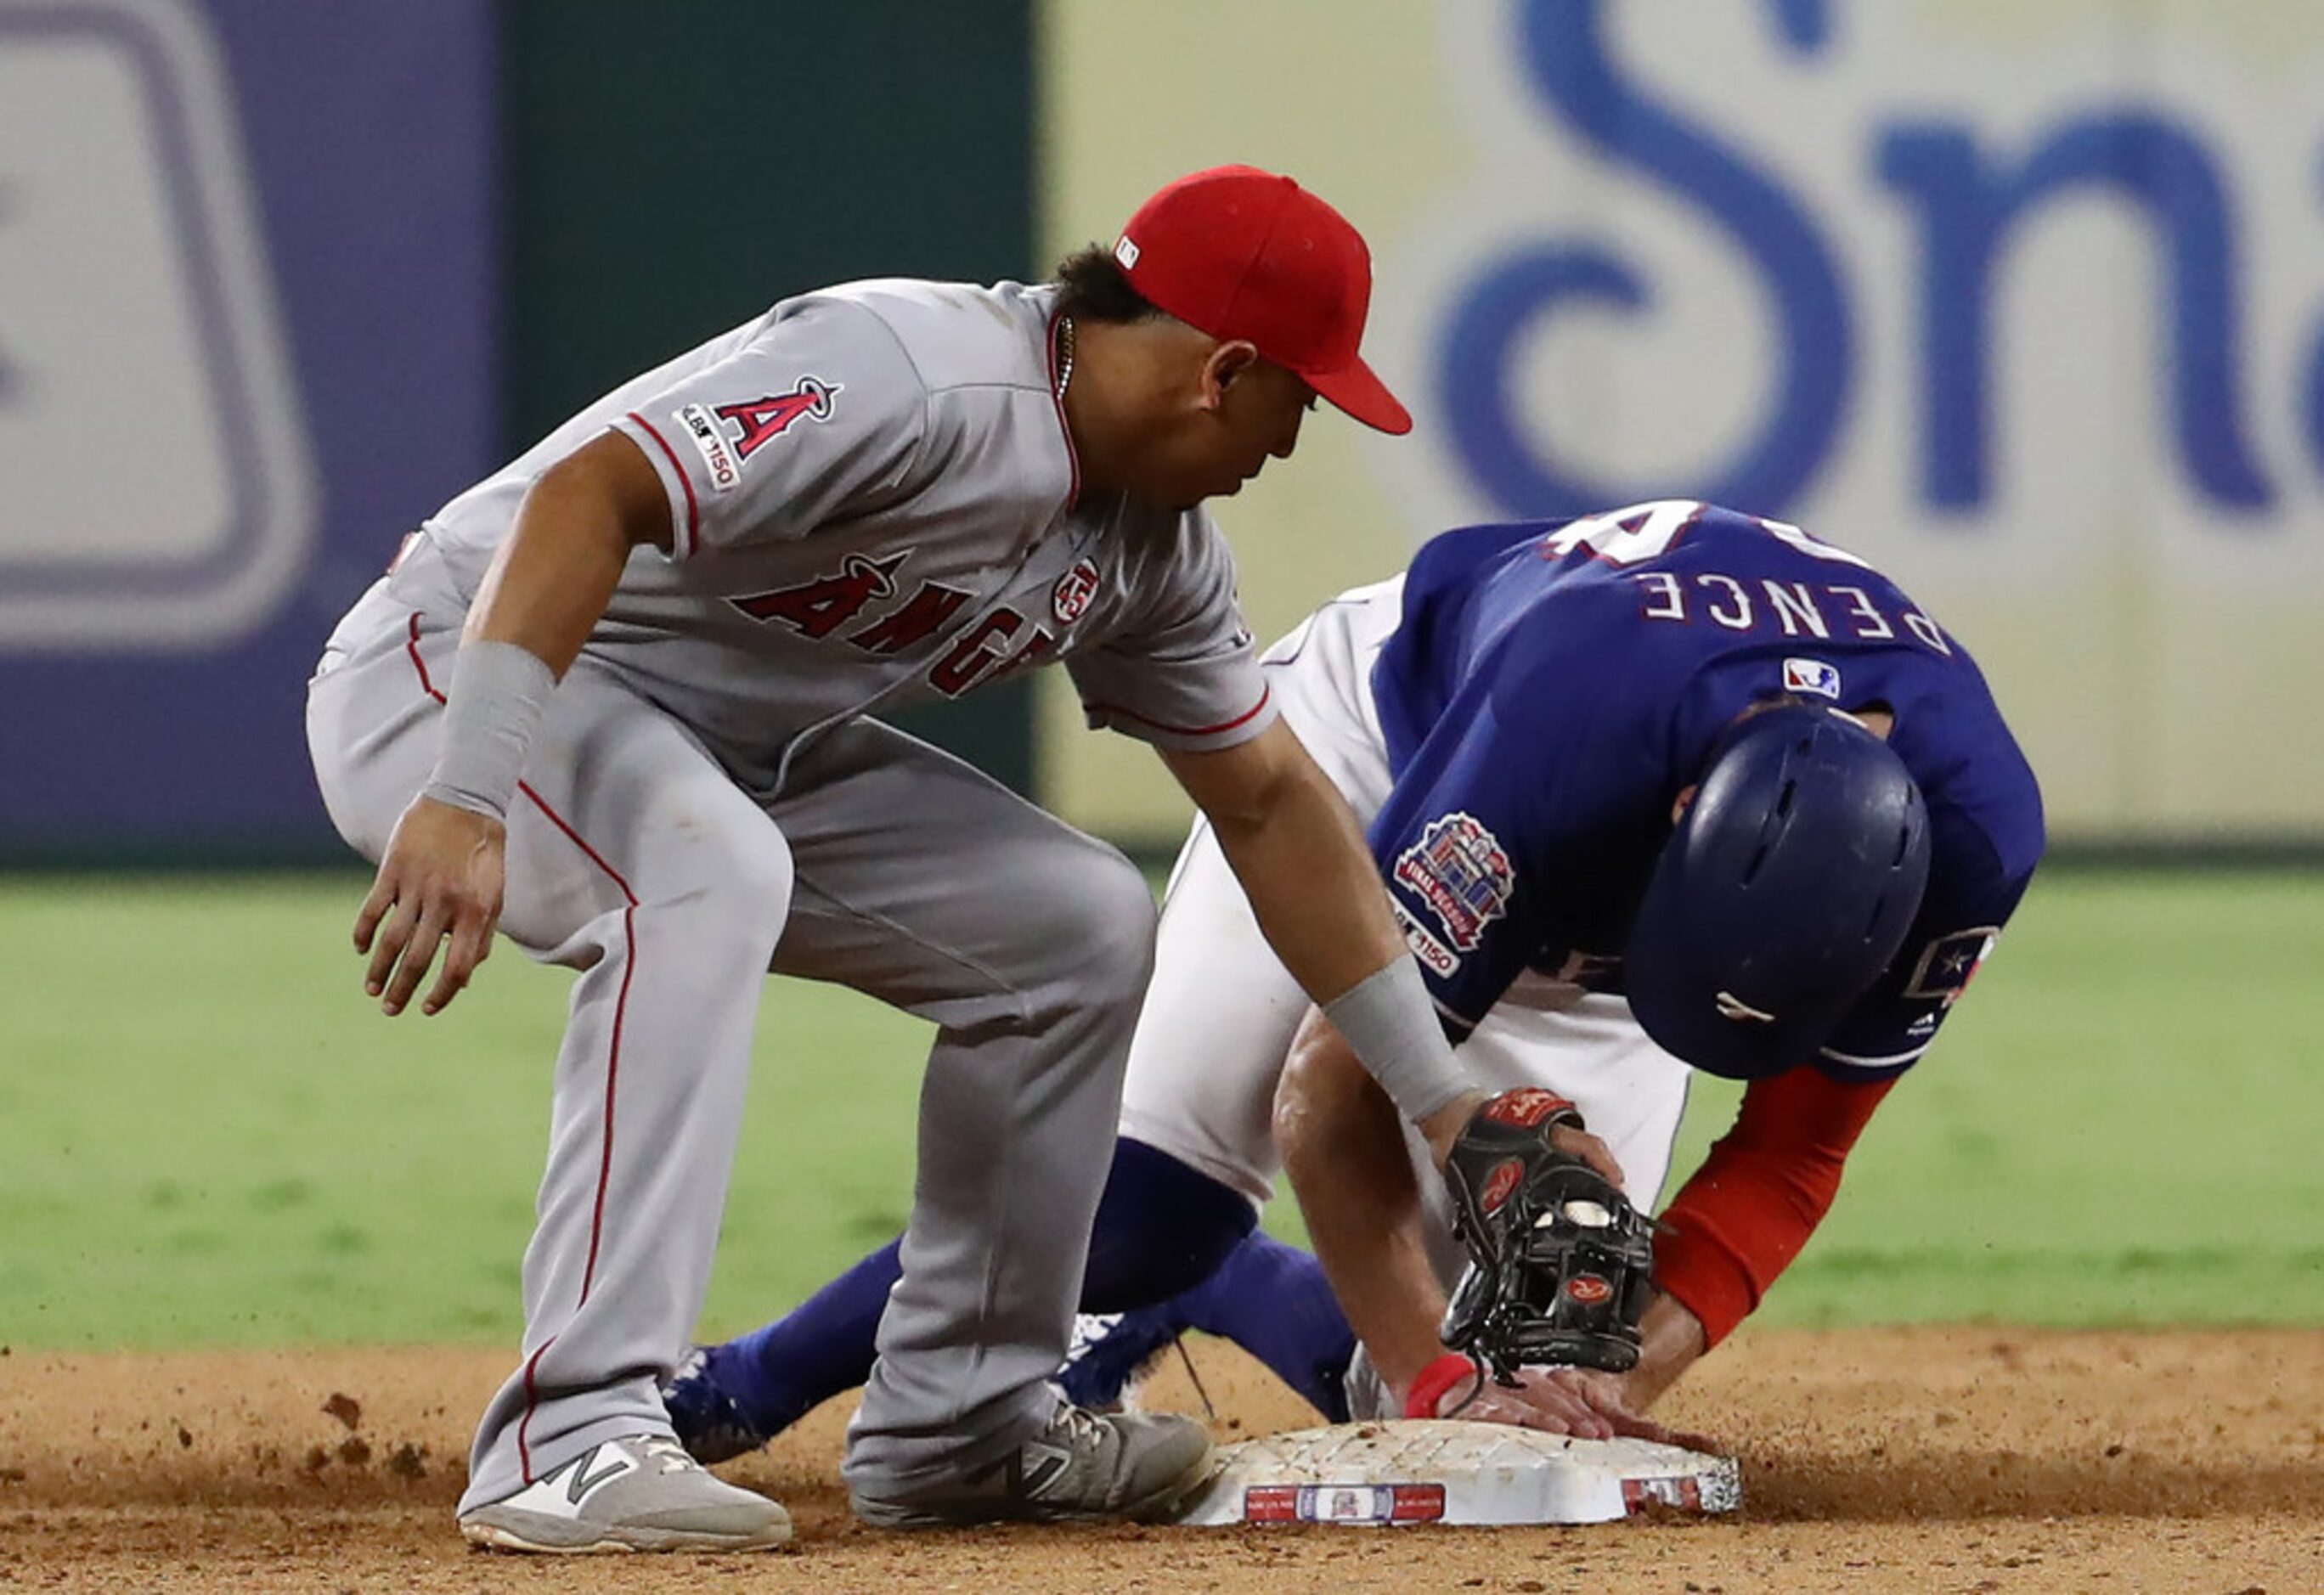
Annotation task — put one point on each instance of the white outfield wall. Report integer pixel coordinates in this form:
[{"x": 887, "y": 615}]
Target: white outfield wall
[{"x": 2025, "y": 303}]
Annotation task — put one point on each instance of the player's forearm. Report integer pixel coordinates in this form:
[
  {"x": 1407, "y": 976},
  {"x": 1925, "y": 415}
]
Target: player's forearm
[
  {"x": 555, "y": 575},
  {"x": 1352, "y": 1173},
  {"x": 1294, "y": 844},
  {"x": 1736, "y": 1225},
  {"x": 1312, "y": 887},
  {"x": 1671, "y": 1342}
]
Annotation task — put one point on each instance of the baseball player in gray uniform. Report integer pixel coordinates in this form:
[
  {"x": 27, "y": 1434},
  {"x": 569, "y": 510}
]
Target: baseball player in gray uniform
[{"x": 619, "y": 699}]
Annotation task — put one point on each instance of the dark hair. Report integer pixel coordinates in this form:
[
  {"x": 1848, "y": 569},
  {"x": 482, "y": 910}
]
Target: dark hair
[{"x": 1096, "y": 288}]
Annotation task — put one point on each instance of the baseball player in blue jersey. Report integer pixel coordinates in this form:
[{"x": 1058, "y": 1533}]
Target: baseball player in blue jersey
[
  {"x": 619, "y": 702},
  {"x": 1664, "y": 786}
]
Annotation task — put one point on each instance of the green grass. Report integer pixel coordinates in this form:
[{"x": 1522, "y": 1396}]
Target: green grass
[{"x": 208, "y": 1137}]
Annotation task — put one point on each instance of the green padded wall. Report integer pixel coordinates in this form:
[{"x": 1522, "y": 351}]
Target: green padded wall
[{"x": 675, "y": 166}]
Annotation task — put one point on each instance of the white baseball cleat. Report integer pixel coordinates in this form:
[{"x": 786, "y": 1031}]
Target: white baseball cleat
[
  {"x": 640, "y": 1493},
  {"x": 1084, "y": 1466}
]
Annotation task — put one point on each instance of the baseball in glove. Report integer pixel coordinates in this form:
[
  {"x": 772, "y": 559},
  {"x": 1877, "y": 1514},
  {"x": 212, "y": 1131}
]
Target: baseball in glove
[{"x": 1560, "y": 1264}]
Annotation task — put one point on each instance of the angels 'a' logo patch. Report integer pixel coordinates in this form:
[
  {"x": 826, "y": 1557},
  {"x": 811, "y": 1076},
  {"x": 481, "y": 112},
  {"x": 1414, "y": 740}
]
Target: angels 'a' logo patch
[
  {"x": 1071, "y": 597},
  {"x": 1460, "y": 869},
  {"x": 758, "y": 422}
]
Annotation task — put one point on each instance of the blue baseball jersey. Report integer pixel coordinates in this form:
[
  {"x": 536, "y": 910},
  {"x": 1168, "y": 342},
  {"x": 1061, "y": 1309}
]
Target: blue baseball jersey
[{"x": 1553, "y": 687}]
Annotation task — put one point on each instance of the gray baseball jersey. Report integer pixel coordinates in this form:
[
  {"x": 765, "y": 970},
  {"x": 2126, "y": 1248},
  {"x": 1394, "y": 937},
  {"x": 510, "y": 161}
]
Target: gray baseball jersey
[{"x": 873, "y": 499}]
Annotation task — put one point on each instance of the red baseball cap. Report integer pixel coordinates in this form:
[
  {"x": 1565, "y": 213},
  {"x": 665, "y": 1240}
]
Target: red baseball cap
[{"x": 1238, "y": 252}]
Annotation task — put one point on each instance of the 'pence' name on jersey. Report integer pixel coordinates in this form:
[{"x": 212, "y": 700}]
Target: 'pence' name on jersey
[
  {"x": 1645, "y": 533},
  {"x": 1787, "y": 609}
]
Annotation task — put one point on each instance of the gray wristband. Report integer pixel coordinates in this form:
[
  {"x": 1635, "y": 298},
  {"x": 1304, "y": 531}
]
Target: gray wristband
[
  {"x": 1391, "y": 1025},
  {"x": 499, "y": 692}
]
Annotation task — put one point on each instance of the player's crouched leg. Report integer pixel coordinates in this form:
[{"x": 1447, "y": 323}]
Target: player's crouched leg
[
  {"x": 1088, "y": 950},
  {"x": 1162, "y": 1228},
  {"x": 638, "y": 862},
  {"x": 960, "y": 1423}
]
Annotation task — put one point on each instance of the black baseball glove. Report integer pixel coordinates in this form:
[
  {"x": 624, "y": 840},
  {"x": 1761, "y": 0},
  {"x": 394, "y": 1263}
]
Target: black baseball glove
[{"x": 1560, "y": 1264}]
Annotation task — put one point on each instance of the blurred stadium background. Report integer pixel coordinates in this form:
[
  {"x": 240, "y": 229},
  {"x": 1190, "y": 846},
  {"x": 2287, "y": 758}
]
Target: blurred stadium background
[{"x": 2027, "y": 303}]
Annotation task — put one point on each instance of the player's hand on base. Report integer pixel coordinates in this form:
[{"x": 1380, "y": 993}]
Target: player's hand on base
[
  {"x": 1538, "y": 1401},
  {"x": 1610, "y": 1399},
  {"x": 439, "y": 883},
  {"x": 1674, "y": 1343}
]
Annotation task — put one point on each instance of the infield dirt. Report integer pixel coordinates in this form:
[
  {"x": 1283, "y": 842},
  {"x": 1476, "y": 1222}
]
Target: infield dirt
[{"x": 1929, "y": 1460}]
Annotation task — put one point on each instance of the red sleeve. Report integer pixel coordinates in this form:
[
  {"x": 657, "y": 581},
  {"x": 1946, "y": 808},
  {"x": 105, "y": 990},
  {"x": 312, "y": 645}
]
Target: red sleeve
[{"x": 1760, "y": 1194}]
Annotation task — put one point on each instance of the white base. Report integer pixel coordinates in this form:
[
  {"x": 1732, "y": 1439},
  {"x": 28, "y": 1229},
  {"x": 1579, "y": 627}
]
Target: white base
[{"x": 1439, "y": 1470}]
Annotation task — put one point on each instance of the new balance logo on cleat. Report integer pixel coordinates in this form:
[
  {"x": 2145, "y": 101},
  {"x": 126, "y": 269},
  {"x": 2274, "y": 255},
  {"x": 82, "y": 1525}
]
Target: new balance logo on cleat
[
  {"x": 585, "y": 1480},
  {"x": 1038, "y": 1467},
  {"x": 640, "y": 1493}
]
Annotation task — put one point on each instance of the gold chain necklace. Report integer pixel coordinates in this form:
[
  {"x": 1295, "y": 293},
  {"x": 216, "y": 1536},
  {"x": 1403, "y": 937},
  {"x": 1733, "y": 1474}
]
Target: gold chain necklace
[{"x": 1064, "y": 354}]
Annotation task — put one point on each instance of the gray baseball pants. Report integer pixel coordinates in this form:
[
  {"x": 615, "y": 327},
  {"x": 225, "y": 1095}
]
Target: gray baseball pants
[{"x": 886, "y": 865}]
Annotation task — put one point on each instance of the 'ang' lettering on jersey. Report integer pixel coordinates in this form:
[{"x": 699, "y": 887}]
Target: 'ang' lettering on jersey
[
  {"x": 874, "y": 499},
  {"x": 1553, "y": 687}
]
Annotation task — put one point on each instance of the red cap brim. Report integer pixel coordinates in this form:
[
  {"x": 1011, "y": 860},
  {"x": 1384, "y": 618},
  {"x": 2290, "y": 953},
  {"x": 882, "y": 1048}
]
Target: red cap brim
[{"x": 1356, "y": 391}]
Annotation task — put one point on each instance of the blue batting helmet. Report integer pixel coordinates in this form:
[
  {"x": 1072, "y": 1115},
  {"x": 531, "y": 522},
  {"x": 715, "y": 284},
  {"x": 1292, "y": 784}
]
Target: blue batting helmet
[{"x": 1786, "y": 889}]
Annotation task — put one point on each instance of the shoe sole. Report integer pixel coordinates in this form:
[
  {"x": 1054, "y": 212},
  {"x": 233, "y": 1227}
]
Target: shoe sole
[
  {"x": 541, "y": 1535},
  {"x": 1160, "y": 1505}
]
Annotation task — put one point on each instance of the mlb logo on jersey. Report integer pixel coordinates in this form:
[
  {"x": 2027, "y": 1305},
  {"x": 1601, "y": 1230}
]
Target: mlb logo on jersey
[
  {"x": 1460, "y": 869},
  {"x": 756, "y": 422},
  {"x": 1812, "y": 676},
  {"x": 710, "y": 443},
  {"x": 1074, "y": 589}
]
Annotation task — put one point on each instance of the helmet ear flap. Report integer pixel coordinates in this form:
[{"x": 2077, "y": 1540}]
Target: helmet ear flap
[{"x": 1788, "y": 886}]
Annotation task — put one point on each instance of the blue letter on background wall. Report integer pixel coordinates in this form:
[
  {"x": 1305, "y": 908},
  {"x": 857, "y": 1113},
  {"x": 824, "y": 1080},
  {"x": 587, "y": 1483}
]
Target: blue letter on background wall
[
  {"x": 1565, "y": 53},
  {"x": 1968, "y": 210},
  {"x": 2311, "y": 395}
]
